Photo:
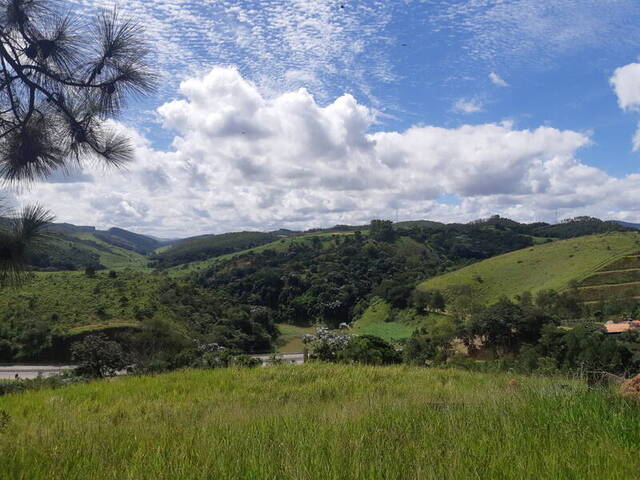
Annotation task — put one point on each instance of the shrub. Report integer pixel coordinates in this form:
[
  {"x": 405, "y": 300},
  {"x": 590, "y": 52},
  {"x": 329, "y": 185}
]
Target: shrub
[
  {"x": 324, "y": 344},
  {"x": 420, "y": 350},
  {"x": 245, "y": 361},
  {"x": 370, "y": 350}
]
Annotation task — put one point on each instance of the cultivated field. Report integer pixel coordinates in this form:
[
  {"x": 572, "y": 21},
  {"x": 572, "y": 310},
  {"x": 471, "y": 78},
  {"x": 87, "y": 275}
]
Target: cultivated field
[{"x": 320, "y": 422}]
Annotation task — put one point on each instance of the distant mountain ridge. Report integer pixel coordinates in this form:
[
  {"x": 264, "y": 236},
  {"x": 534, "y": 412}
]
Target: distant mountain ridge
[
  {"x": 635, "y": 226},
  {"x": 73, "y": 247}
]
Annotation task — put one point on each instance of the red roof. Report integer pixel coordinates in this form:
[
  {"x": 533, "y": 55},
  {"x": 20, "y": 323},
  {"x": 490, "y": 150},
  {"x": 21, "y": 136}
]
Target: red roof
[{"x": 621, "y": 327}]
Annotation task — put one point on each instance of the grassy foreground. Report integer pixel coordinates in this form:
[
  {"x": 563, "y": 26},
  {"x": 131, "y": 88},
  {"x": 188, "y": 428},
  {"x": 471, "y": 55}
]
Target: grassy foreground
[{"x": 320, "y": 422}]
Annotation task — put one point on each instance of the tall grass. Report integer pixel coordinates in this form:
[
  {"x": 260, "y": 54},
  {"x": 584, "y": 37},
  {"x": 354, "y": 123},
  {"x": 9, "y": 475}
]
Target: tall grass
[{"x": 320, "y": 422}]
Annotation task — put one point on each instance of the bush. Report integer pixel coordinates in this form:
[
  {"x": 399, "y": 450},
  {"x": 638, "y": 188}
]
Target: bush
[
  {"x": 324, "y": 344},
  {"x": 420, "y": 350},
  {"x": 244, "y": 361},
  {"x": 25, "y": 384},
  {"x": 370, "y": 350}
]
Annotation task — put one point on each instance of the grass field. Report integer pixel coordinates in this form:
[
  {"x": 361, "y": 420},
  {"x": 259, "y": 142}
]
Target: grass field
[
  {"x": 320, "y": 422},
  {"x": 550, "y": 265},
  {"x": 376, "y": 320},
  {"x": 290, "y": 339}
]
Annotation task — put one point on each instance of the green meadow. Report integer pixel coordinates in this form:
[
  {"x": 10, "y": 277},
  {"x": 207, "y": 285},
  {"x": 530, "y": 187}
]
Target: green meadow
[
  {"x": 320, "y": 421},
  {"x": 380, "y": 320},
  {"x": 550, "y": 265}
]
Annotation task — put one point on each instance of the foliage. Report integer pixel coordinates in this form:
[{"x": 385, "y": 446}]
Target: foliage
[
  {"x": 325, "y": 344},
  {"x": 587, "y": 348},
  {"x": 505, "y": 325},
  {"x": 17, "y": 233},
  {"x": 425, "y": 301},
  {"x": 60, "y": 85},
  {"x": 369, "y": 350},
  {"x": 382, "y": 230},
  {"x": 38, "y": 383},
  {"x": 98, "y": 357}
]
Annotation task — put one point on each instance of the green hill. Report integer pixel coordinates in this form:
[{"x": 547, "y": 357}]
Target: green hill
[
  {"x": 70, "y": 247},
  {"x": 208, "y": 246},
  {"x": 71, "y": 299},
  {"x": 549, "y": 265},
  {"x": 320, "y": 421},
  {"x": 615, "y": 280}
]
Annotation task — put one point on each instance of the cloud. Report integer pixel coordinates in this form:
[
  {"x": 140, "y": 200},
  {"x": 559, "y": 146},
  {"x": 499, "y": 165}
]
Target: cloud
[
  {"x": 537, "y": 33},
  {"x": 626, "y": 84},
  {"x": 497, "y": 80},
  {"x": 241, "y": 159},
  {"x": 467, "y": 106},
  {"x": 281, "y": 44},
  {"x": 636, "y": 140}
]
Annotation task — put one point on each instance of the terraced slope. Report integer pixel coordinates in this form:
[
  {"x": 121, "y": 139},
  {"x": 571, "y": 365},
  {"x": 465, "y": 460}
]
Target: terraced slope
[
  {"x": 617, "y": 279},
  {"x": 550, "y": 265}
]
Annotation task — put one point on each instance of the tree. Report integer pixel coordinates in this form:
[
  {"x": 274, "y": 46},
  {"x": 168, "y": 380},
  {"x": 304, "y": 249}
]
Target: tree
[
  {"x": 382, "y": 230},
  {"x": 504, "y": 326},
  {"x": 370, "y": 350},
  {"x": 425, "y": 301},
  {"x": 16, "y": 233},
  {"x": 98, "y": 356},
  {"x": 60, "y": 84}
]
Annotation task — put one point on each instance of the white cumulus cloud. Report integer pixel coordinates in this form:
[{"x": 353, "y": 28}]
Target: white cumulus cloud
[
  {"x": 626, "y": 84},
  {"x": 467, "y": 106},
  {"x": 242, "y": 160},
  {"x": 497, "y": 80}
]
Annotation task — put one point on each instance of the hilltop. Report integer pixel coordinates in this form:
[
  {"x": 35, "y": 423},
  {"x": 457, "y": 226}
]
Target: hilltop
[{"x": 553, "y": 265}]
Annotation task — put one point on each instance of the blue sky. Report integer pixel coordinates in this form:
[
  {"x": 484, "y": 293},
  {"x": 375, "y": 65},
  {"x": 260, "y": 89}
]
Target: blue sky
[{"x": 441, "y": 109}]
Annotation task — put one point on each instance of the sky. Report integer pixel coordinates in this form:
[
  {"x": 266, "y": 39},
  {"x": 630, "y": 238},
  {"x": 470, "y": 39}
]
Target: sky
[{"x": 310, "y": 113}]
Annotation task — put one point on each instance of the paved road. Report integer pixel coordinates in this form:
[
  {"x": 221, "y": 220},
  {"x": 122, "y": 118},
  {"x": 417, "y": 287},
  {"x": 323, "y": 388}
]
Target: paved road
[
  {"x": 296, "y": 358},
  {"x": 31, "y": 371}
]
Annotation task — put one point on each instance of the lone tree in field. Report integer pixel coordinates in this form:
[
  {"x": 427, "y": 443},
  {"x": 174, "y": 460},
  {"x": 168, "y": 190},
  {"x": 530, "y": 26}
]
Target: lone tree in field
[{"x": 61, "y": 80}]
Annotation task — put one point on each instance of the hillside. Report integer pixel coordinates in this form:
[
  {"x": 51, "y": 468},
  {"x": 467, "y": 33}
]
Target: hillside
[
  {"x": 320, "y": 421},
  {"x": 617, "y": 279},
  {"x": 71, "y": 299},
  {"x": 549, "y": 265},
  {"x": 70, "y": 247},
  {"x": 208, "y": 246},
  {"x": 381, "y": 320}
]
